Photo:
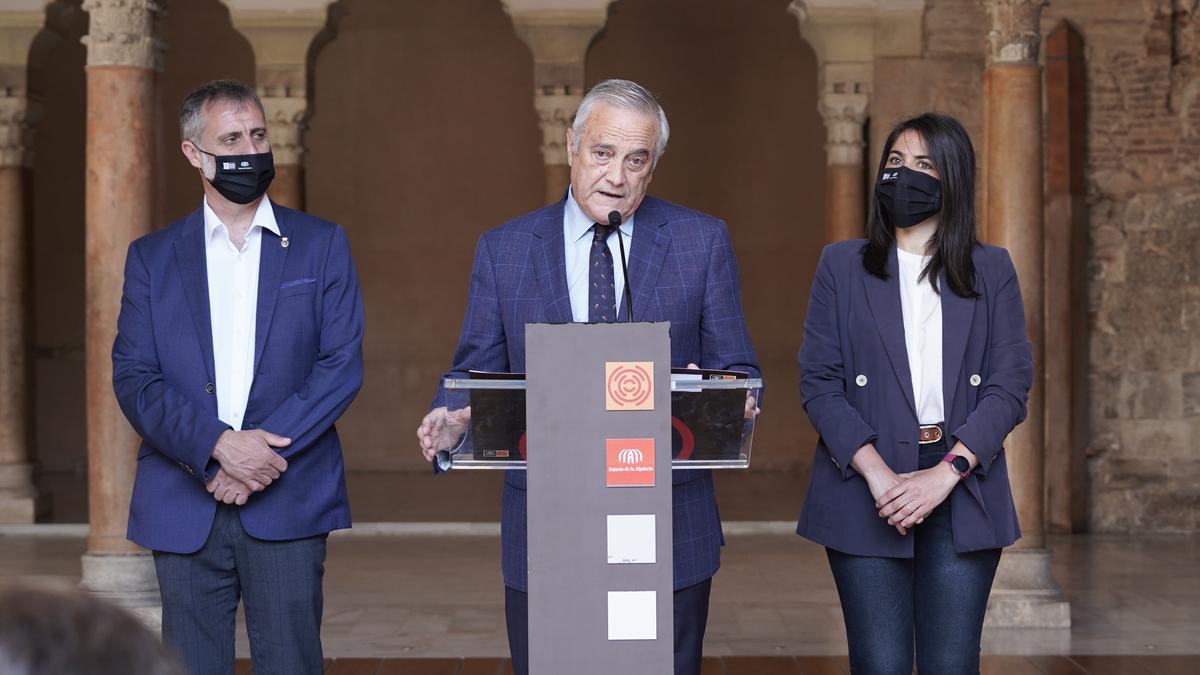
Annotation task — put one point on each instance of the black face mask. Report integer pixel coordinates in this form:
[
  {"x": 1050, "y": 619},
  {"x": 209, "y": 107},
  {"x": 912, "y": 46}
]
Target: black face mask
[
  {"x": 242, "y": 178},
  {"x": 908, "y": 197}
]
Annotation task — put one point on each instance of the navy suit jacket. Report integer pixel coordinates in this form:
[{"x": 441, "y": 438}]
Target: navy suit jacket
[
  {"x": 307, "y": 370},
  {"x": 681, "y": 269},
  {"x": 857, "y": 388}
]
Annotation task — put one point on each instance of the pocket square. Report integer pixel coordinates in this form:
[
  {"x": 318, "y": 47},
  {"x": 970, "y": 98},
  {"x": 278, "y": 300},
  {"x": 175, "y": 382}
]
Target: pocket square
[{"x": 296, "y": 282}]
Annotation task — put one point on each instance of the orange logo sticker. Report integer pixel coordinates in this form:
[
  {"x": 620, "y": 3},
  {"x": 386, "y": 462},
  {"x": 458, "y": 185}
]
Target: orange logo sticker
[
  {"x": 630, "y": 462},
  {"x": 629, "y": 385}
]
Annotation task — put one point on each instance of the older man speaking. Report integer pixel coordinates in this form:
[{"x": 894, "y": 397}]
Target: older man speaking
[{"x": 555, "y": 265}]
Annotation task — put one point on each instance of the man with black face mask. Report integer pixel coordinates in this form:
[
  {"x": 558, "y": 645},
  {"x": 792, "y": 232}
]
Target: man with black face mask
[{"x": 239, "y": 344}]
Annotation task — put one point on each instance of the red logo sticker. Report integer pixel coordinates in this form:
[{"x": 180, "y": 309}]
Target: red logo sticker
[
  {"x": 629, "y": 385},
  {"x": 630, "y": 462}
]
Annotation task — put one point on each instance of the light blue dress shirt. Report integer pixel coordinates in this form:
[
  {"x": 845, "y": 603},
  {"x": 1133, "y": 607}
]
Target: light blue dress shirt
[{"x": 577, "y": 237}]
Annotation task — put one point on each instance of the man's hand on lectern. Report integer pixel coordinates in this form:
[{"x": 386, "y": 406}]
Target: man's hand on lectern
[{"x": 441, "y": 429}]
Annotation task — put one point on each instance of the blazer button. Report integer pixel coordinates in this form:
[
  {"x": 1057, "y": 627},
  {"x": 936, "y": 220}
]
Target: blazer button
[
  {"x": 975, "y": 380},
  {"x": 861, "y": 380},
  {"x": 210, "y": 388}
]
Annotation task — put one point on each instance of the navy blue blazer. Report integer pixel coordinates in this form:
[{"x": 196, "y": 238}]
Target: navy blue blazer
[
  {"x": 307, "y": 370},
  {"x": 681, "y": 269},
  {"x": 856, "y": 388}
]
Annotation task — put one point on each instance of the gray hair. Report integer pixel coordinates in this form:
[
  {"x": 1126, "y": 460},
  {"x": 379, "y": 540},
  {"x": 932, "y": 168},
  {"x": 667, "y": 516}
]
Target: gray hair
[
  {"x": 191, "y": 119},
  {"x": 622, "y": 94}
]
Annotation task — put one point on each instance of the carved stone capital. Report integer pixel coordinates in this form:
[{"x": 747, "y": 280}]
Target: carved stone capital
[
  {"x": 860, "y": 30},
  {"x": 1016, "y": 33},
  {"x": 281, "y": 39},
  {"x": 123, "y": 33},
  {"x": 558, "y": 40},
  {"x": 17, "y": 118},
  {"x": 555, "y": 109},
  {"x": 286, "y": 121},
  {"x": 844, "y": 115}
]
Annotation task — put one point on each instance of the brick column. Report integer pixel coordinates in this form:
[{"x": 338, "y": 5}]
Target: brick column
[
  {"x": 845, "y": 96},
  {"x": 1066, "y": 281},
  {"x": 1025, "y": 593},
  {"x": 559, "y": 40},
  {"x": 281, "y": 38},
  {"x": 19, "y": 498},
  {"x": 124, "y": 58}
]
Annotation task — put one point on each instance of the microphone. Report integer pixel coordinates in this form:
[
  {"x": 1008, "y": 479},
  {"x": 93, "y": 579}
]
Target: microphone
[{"x": 614, "y": 220}]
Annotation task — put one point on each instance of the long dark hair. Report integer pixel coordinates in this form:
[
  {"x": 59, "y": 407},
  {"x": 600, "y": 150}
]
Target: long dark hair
[{"x": 953, "y": 156}]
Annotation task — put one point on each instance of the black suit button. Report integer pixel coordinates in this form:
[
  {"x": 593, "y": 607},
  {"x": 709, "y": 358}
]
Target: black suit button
[{"x": 210, "y": 388}]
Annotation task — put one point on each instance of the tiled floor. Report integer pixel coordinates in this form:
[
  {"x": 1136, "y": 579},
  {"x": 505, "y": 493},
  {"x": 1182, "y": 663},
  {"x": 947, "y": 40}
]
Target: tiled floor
[
  {"x": 432, "y": 600},
  {"x": 440, "y": 597}
]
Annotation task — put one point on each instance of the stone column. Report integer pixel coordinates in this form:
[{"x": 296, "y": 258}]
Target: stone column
[
  {"x": 844, "y": 100},
  {"x": 1025, "y": 593},
  {"x": 124, "y": 57},
  {"x": 559, "y": 39},
  {"x": 848, "y": 38},
  {"x": 19, "y": 498},
  {"x": 280, "y": 33}
]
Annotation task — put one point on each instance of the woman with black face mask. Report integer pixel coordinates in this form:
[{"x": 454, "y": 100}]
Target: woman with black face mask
[{"x": 915, "y": 366}]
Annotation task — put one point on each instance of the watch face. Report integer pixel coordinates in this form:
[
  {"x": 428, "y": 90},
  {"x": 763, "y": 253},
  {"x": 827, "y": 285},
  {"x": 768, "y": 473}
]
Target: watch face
[{"x": 961, "y": 464}]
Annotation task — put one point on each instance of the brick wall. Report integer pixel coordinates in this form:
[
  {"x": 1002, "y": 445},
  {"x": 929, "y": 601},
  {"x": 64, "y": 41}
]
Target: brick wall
[
  {"x": 1144, "y": 268},
  {"x": 1143, "y": 192}
]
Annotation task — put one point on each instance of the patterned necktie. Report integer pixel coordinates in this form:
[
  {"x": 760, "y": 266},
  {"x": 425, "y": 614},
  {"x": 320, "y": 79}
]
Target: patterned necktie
[{"x": 602, "y": 289}]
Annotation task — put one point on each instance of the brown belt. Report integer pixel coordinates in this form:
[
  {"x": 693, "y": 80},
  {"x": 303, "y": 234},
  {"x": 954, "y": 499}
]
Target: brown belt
[{"x": 930, "y": 433}]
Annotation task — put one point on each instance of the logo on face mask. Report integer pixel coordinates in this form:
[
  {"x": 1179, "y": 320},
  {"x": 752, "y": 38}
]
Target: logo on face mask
[
  {"x": 907, "y": 197},
  {"x": 242, "y": 178}
]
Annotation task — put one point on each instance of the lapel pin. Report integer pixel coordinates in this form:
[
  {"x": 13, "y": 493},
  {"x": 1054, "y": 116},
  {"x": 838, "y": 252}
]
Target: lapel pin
[{"x": 283, "y": 242}]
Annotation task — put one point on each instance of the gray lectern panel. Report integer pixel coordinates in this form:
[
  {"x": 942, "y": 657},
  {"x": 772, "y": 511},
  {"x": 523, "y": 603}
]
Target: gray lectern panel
[{"x": 570, "y": 578}]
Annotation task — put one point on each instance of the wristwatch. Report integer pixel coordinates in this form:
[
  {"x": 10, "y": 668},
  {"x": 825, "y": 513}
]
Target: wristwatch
[{"x": 960, "y": 464}]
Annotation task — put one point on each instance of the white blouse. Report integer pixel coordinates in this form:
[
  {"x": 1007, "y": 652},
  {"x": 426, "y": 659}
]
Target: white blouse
[{"x": 922, "y": 309}]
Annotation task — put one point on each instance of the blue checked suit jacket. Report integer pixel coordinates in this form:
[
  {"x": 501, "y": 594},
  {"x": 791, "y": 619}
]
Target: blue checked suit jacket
[
  {"x": 681, "y": 269},
  {"x": 307, "y": 370}
]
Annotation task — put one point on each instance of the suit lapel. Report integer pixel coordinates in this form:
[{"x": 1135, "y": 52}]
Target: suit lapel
[
  {"x": 550, "y": 263},
  {"x": 647, "y": 251},
  {"x": 193, "y": 272},
  {"x": 957, "y": 314},
  {"x": 884, "y": 299},
  {"x": 272, "y": 256}
]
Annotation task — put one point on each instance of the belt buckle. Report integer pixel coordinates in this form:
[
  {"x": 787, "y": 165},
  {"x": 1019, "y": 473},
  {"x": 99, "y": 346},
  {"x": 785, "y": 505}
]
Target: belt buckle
[{"x": 931, "y": 433}]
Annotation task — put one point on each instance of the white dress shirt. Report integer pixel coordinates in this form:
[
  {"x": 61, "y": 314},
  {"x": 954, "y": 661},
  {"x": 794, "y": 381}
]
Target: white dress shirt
[
  {"x": 922, "y": 308},
  {"x": 577, "y": 236},
  {"x": 233, "y": 306}
]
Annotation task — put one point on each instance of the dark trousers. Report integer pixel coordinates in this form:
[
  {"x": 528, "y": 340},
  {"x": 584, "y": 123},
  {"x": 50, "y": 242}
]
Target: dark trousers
[
  {"x": 933, "y": 602},
  {"x": 280, "y": 582},
  {"x": 691, "y": 616}
]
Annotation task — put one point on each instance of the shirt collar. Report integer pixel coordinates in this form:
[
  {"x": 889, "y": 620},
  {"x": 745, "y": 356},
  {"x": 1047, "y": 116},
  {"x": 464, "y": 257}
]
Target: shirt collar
[
  {"x": 577, "y": 225},
  {"x": 264, "y": 217}
]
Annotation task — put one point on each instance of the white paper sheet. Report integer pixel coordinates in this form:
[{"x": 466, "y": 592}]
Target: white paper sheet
[
  {"x": 632, "y": 615},
  {"x": 631, "y": 539}
]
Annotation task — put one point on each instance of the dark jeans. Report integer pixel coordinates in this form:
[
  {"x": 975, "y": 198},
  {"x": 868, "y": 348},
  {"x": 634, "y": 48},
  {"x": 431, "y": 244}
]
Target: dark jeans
[
  {"x": 691, "y": 616},
  {"x": 280, "y": 582},
  {"x": 934, "y": 601}
]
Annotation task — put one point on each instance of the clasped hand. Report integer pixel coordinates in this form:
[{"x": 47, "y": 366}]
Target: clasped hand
[
  {"x": 904, "y": 499},
  {"x": 915, "y": 495},
  {"x": 248, "y": 462}
]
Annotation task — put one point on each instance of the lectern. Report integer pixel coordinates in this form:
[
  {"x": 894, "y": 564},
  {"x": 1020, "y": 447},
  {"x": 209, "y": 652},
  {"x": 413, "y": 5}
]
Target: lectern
[{"x": 599, "y": 421}]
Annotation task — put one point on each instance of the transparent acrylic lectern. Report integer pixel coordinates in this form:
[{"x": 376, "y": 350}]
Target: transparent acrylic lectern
[{"x": 709, "y": 425}]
